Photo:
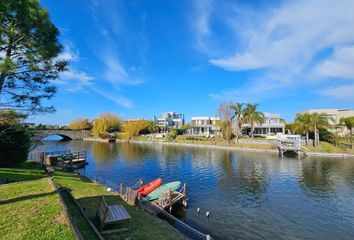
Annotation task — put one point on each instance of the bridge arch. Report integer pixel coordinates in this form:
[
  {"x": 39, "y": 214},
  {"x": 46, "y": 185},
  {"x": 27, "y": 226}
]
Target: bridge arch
[{"x": 64, "y": 133}]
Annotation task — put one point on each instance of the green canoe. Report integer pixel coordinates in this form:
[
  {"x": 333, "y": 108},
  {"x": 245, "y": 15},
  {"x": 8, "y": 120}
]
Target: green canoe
[{"x": 173, "y": 186}]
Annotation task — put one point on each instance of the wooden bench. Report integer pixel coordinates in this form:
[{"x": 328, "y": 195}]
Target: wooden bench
[{"x": 109, "y": 215}]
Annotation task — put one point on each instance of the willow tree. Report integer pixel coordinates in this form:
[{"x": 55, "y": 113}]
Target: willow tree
[
  {"x": 80, "y": 124},
  {"x": 106, "y": 123},
  {"x": 252, "y": 116},
  {"x": 132, "y": 129},
  {"x": 29, "y": 62}
]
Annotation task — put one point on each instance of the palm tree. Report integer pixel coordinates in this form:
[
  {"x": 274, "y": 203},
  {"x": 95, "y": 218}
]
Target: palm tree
[
  {"x": 349, "y": 123},
  {"x": 238, "y": 108},
  {"x": 252, "y": 116},
  {"x": 302, "y": 124},
  {"x": 318, "y": 121}
]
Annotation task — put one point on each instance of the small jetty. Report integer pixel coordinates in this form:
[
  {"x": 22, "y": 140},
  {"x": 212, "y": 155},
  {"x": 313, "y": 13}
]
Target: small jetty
[
  {"x": 165, "y": 202},
  {"x": 170, "y": 198},
  {"x": 289, "y": 144},
  {"x": 65, "y": 159}
]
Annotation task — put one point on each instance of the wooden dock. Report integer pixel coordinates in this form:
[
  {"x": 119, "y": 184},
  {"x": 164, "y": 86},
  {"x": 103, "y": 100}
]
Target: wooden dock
[
  {"x": 166, "y": 203},
  {"x": 289, "y": 144},
  {"x": 65, "y": 159}
]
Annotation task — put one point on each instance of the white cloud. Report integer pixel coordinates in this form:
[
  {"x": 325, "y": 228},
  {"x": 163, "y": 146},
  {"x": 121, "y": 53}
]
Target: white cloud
[
  {"x": 77, "y": 75},
  {"x": 342, "y": 92},
  {"x": 114, "y": 97},
  {"x": 293, "y": 35},
  {"x": 288, "y": 41},
  {"x": 110, "y": 22},
  {"x": 204, "y": 9},
  {"x": 72, "y": 80},
  {"x": 341, "y": 64},
  {"x": 116, "y": 73},
  {"x": 68, "y": 54}
]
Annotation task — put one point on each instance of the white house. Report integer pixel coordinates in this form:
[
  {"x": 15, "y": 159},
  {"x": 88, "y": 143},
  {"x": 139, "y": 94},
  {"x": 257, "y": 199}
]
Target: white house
[{"x": 205, "y": 126}]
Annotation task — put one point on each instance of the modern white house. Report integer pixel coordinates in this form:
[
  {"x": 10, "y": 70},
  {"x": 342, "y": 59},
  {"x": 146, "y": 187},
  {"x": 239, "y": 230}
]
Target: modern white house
[
  {"x": 169, "y": 119},
  {"x": 204, "y": 126},
  {"x": 270, "y": 126}
]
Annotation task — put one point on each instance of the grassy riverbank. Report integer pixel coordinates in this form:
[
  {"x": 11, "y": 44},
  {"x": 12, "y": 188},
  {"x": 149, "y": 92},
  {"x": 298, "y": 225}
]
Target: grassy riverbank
[
  {"x": 326, "y": 147},
  {"x": 34, "y": 214},
  {"x": 30, "y": 209}
]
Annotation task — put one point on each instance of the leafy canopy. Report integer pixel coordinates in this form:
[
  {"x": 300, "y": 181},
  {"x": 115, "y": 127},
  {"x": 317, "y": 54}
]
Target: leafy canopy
[
  {"x": 80, "y": 124},
  {"x": 106, "y": 123},
  {"x": 132, "y": 129},
  {"x": 29, "y": 50}
]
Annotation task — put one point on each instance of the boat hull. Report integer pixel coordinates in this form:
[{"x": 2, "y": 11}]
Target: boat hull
[
  {"x": 172, "y": 186},
  {"x": 151, "y": 186}
]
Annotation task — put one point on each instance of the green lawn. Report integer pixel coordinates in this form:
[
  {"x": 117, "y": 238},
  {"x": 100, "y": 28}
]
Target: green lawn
[
  {"x": 326, "y": 147},
  {"x": 144, "y": 226},
  {"x": 31, "y": 210}
]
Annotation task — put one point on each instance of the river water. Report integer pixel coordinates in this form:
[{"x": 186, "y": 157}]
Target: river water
[{"x": 249, "y": 195}]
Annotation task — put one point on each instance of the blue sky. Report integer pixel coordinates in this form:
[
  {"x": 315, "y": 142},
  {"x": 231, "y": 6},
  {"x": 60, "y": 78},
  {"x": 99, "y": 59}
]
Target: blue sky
[{"x": 141, "y": 58}]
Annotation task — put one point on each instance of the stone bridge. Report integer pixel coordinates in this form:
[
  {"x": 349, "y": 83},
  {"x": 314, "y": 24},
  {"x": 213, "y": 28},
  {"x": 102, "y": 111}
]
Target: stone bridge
[{"x": 66, "y": 134}]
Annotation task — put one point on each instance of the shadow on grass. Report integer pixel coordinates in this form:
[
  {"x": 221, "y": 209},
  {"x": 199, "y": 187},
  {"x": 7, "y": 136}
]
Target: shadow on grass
[
  {"x": 22, "y": 172},
  {"x": 10, "y": 177},
  {"x": 27, "y": 197},
  {"x": 90, "y": 206}
]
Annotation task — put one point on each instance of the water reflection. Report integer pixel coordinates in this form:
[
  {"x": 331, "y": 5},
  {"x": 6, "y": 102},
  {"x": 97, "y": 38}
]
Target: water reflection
[
  {"x": 250, "y": 195},
  {"x": 104, "y": 152}
]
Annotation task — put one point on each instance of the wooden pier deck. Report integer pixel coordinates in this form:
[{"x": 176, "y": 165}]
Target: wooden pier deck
[
  {"x": 176, "y": 197},
  {"x": 65, "y": 159},
  {"x": 290, "y": 144}
]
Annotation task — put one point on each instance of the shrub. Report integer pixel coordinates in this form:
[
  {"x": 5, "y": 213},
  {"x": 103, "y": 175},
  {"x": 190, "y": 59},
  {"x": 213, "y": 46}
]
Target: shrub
[
  {"x": 172, "y": 134},
  {"x": 14, "y": 144}
]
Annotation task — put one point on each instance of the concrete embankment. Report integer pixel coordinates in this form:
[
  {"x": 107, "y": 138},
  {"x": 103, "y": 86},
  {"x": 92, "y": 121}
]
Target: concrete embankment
[
  {"x": 97, "y": 139},
  {"x": 201, "y": 145},
  {"x": 311, "y": 154}
]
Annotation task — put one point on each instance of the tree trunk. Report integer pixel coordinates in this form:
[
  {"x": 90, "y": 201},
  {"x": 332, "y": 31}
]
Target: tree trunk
[
  {"x": 252, "y": 126},
  {"x": 237, "y": 133},
  {"x": 307, "y": 137},
  {"x": 351, "y": 138},
  {"x": 3, "y": 72},
  {"x": 315, "y": 137}
]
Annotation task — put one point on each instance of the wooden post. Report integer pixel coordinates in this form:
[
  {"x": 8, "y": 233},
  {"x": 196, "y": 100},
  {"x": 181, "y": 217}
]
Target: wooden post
[
  {"x": 170, "y": 200},
  {"x": 185, "y": 191},
  {"x": 140, "y": 183},
  {"x": 121, "y": 189}
]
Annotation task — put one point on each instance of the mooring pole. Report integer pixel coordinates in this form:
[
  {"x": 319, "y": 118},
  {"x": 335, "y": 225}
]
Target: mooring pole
[
  {"x": 185, "y": 191},
  {"x": 140, "y": 183},
  {"x": 121, "y": 189}
]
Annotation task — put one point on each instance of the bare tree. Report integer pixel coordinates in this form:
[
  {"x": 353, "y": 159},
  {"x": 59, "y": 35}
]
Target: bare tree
[{"x": 225, "y": 113}]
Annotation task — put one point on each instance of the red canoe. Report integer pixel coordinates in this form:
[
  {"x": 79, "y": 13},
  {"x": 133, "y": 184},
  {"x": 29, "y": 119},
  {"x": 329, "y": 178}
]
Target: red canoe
[{"x": 148, "y": 188}]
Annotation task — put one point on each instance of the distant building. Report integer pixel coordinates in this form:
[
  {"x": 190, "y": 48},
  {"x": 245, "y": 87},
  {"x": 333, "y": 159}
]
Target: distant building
[
  {"x": 205, "y": 126},
  {"x": 169, "y": 120},
  {"x": 334, "y": 116},
  {"x": 270, "y": 126}
]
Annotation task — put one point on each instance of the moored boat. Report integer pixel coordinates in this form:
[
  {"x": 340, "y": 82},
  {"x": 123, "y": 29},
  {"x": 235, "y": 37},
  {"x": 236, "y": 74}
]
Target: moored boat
[
  {"x": 151, "y": 186},
  {"x": 172, "y": 186}
]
